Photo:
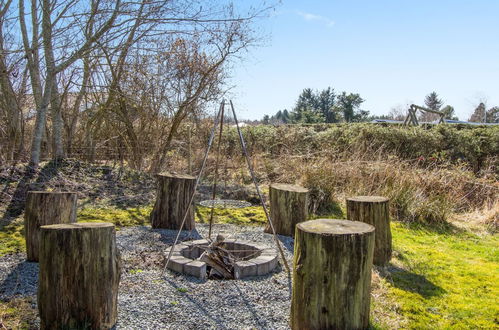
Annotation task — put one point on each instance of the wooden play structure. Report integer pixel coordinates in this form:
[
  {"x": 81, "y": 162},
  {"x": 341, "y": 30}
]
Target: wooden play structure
[{"x": 412, "y": 119}]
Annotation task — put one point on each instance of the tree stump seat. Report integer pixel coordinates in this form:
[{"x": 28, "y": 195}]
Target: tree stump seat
[
  {"x": 288, "y": 206},
  {"x": 79, "y": 276},
  {"x": 172, "y": 198},
  {"x": 332, "y": 274},
  {"x": 375, "y": 211},
  {"x": 46, "y": 208}
]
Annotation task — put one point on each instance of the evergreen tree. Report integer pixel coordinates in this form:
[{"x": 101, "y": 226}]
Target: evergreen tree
[
  {"x": 432, "y": 102},
  {"x": 349, "y": 105},
  {"x": 307, "y": 116},
  {"x": 266, "y": 120},
  {"x": 306, "y": 108},
  {"x": 326, "y": 102},
  {"x": 449, "y": 112},
  {"x": 306, "y": 100},
  {"x": 285, "y": 116},
  {"x": 323, "y": 107}
]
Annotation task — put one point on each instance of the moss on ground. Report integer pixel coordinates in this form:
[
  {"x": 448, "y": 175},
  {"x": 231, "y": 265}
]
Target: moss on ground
[
  {"x": 12, "y": 237},
  {"x": 253, "y": 215},
  {"x": 135, "y": 216}
]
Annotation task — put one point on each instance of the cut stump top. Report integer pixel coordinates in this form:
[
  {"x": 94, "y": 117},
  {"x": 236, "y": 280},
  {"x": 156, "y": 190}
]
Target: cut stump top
[
  {"x": 333, "y": 227},
  {"x": 368, "y": 199},
  {"x": 79, "y": 225},
  {"x": 176, "y": 176},
  {"x": 289, "y": 187}
]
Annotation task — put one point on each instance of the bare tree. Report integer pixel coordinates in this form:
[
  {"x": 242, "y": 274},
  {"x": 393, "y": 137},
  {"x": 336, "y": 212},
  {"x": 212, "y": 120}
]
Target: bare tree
[
  {"x": 10, "y": 72},
  {"x": 58, "y": 19},
  {"x": 479, "y": 114},
  {"x": 157, "y": 80},
  {"x": 84, "y": 63},
  {"x": 397, "y": 112}
]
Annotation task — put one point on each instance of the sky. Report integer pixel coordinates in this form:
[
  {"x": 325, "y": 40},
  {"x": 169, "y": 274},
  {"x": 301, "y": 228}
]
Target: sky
[{"x": 393, "y": 53}]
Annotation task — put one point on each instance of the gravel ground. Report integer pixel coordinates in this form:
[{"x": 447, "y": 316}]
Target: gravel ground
[{"x": 148, "y": 301}]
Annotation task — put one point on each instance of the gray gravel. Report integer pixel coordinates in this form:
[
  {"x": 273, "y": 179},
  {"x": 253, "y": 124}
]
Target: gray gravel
[{"x": 148, "y": 301}]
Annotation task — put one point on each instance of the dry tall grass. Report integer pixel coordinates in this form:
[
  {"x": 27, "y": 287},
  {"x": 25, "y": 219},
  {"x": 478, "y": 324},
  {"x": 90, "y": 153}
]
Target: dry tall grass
[
  {"x": 428, "y": 175},
  {"x": 428, "y": 192}
]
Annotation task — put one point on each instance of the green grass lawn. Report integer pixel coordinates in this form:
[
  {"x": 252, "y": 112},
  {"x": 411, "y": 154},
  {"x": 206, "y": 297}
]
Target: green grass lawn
[
  {"x": 443, "y": 280},
  {"x": 440, "y": 279}
]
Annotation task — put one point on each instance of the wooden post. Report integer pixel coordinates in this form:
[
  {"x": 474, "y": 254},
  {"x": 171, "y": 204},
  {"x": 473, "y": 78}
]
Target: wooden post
[
  {"x": 79, "y": 276},
  {"x": 375, "y": 211},
  {"x": 46, "y": 208},
  {"x": 332, "y": 274},
  {"x": 173, "y": 195},
  {"x": 288, "y": 206}
]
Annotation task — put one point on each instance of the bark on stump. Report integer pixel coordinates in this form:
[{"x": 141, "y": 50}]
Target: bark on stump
[
  {"x": 173, "y": 194},
  {"x": 46, "y": 208},
  {"x": 332, "y": 274},
  {"x": 288, "y": 206},
  {"x": 375, "y": 211},
  {"x": 79, "y": 276}
]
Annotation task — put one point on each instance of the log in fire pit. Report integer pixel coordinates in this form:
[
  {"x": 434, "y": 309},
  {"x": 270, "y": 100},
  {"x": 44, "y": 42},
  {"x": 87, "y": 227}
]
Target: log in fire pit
[{"x": 221, "y": 258}]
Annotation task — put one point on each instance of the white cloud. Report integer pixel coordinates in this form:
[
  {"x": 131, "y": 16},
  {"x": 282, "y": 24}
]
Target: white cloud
[{"x": 312, "y": 17}]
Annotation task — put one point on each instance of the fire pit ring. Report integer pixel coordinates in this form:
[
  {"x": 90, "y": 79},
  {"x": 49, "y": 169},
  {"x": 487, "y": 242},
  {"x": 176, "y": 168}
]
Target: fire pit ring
[
  {"x": 225, "y": 203},
  {"x": 254, "y": 260}
]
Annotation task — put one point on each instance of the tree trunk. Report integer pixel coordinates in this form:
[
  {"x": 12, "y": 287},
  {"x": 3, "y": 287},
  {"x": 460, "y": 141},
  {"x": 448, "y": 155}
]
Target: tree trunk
[
  {"x": 332, "y": 274},
  {"x": 39, "y": 129},
  {"x": 288, "y": 206},
  {"x": 374, "y": 210},
  {"x": 173, "y": 194},
  {"x": 46, "y": 208},
  {"x": 57, "y": 122},
  {"x": 79, "y": 276}
]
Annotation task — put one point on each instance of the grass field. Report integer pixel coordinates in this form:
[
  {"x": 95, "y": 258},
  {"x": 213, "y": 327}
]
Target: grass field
[
  {"x": 441, "y": 280},
  {"x": 445, "y": 278}
]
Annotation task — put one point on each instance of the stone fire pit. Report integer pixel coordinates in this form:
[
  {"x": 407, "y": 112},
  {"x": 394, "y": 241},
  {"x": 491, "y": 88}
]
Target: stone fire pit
[{"x": 252, "y": 259}]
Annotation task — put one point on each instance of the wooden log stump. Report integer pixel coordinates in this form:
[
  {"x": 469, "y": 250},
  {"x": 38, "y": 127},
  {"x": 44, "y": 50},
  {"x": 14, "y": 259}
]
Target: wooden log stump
[
  {"x": 173, "y": 194},
  {"x": 332, "y": 274},
  {"x": 46, "y": 208},
  {"x": 79, "y": 276},
  {"x": 375, "y": 211},
  {"x": 288, "y": 206}
]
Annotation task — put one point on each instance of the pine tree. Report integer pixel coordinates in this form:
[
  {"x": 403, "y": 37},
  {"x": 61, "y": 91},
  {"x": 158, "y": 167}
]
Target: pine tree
[
  {"x": 449, "y": 112},
  {"x": 349, "y": 105},
  {"x": 326, "y": 101},
  {"x": 306, "y": 100},
  {"x": 266, "y": 120},
  {"x": 432, "y": 102}
]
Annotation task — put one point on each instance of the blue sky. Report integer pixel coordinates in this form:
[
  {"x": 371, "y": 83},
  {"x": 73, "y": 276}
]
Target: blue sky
[{"x": 392, "y": 53}]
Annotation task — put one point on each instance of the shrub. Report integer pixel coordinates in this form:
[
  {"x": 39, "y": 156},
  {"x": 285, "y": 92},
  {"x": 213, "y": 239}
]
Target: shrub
[
  {"x": 416, "y": 194},
  {"x": 476, "y": 148}
]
